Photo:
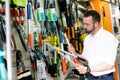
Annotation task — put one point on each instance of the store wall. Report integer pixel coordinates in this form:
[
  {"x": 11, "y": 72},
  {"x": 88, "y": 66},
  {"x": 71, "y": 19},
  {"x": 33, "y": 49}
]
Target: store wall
[{"x": 96, "y": 6}]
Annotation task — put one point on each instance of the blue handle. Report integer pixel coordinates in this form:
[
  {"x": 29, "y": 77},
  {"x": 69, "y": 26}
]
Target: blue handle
[
  {"x": 61, "y": 36},
  {"x": 1, "y": 59},
  {"x": 3, "y": 72},
  {"x": 28, "y": 11}
]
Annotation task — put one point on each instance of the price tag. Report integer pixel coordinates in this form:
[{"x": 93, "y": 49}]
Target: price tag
[
  {"x": 53, "y": 14},
  {"x": 42, "y": 14}
]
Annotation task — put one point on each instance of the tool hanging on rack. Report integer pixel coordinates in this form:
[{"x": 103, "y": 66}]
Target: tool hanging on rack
[
  {"x": 52, "y": 32},
  {"x": 63, "y": 61},
  {"x": 77, "y": 26},
  {"x": 3, "y": 71},
  {"x": 41, "y": 73},
  {"x": 37, "y": 55},
  {"x": 24, "y": 74},
  {"x": 39, "y": 18},
  {"x": 2, "y": 23},
  {"x": 18, "y": 22},
  {"x": 67, "y": 14},
  {"x": 61, "y": 29},
  {"x": 75, "y": 60},
  {"x": 2, "y": 29},
  {"x": 71, "y": 19},
  {"x": 29, "y": 10},
  {"x": 3, "y": 33},
  {"x": 36, "y": 47},
  {"x": 16, "y": 13}
]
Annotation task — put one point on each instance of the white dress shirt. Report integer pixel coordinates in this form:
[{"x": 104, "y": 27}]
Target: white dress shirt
[{"x": 102, "y": 47}]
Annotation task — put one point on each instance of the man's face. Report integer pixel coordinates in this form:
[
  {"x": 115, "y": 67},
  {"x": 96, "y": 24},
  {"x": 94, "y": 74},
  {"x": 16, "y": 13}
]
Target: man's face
[{"x": 88, "y": 24}]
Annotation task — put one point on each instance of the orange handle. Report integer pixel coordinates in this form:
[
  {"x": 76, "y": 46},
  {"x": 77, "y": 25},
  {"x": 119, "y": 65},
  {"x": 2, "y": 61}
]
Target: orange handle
[
  {"x": 76, "y": 45},
  {"x": 68, "y": 32},
  {"x": 64, "y": 67},
  {"x": 40, "y": 39},
  {"x": 33, "y": 66},
  {"x": 73, "y": 32},
  {"x": 13, "y": 38},
  {"x": 75, "y": 61},
  {"x": 30, "y": 40},
  {"x": 22, "y": 15}
]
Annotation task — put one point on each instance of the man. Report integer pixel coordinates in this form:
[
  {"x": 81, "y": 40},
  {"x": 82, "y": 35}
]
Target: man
[{"x": 100, "y": 49}]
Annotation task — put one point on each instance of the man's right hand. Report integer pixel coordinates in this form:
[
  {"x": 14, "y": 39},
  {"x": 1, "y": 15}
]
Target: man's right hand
[{"x": 71, "y": 49}]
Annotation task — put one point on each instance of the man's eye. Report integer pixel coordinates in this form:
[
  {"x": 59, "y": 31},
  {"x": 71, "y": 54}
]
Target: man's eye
[{"x": 86, "y": 24}]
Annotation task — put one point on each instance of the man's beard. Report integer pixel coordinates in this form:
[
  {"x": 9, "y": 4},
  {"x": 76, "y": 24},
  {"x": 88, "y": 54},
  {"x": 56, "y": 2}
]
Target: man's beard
[{"x": 90, "y": 31}]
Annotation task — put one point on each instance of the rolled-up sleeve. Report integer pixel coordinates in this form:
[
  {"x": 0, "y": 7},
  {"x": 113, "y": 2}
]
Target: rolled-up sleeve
[{"x": 111, "y": 50}]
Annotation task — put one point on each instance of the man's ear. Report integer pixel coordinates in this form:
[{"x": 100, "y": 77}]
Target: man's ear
[{"x": 96, "y": 23}]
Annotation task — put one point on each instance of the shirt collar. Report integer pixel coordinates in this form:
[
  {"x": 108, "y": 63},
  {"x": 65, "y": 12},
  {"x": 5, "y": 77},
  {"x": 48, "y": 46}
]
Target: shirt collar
[{"x": 98, "y": 33}]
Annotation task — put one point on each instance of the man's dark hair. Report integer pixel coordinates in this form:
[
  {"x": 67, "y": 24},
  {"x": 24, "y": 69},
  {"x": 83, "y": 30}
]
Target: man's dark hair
[{"x": 95, "y": 15}]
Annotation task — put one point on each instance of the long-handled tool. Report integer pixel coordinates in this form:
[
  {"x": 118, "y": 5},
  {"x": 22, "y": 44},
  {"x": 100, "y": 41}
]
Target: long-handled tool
[
  {"x": 62, "y": 51},
  {"x": 41, "y": 74},
  {"x": 29, "y": 18},
  {"x": 63, "y": 61},
  {"x": 18, "y": 25},
  {"x": 79, "y": 57},
  {"x": 2, "y": 28},
  {"x": 3, "y": 71},
  {"x": 75, "y": 60},
  {"x": 25, "y": 74}
]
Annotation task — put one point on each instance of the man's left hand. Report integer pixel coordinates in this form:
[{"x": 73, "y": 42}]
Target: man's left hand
[{"x": 82, "y": 69}]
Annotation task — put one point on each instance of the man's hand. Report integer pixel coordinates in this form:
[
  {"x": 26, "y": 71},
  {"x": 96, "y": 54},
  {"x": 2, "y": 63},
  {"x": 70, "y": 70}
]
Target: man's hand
[
  {"x": 71, "y": 49},
  {"x": 82, "y": 69}
]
